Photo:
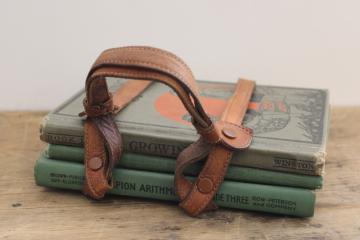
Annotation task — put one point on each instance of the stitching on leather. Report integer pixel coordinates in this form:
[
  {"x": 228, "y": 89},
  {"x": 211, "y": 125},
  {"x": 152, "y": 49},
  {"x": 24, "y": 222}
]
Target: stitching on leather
[
  {"x": 151, "y": 65},
  {"x": 89, "y": 186},
  {"x": 181, "y": 166},
  {"x": 176, "y": 75},
  {"x": 182, "y": 178},
  {"x": 239, "y": 126},
  {"x": 89, "y": 176},
  {"x": 193, "y": 190},
  {"x": 209, "y": 196},
  {"x": 136, "y": 74},
  {"x": 142, "y": 48},
  {"x": 116, "y": 74},
  {"x": 245, "y": 130}
]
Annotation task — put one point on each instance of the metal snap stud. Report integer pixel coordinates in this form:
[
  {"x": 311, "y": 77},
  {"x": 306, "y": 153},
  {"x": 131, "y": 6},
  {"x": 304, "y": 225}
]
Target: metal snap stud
[
  {"x": 228, "y": 132},
  {"x": 95, "y": 163},
  {"x": 205, "y": 185}
]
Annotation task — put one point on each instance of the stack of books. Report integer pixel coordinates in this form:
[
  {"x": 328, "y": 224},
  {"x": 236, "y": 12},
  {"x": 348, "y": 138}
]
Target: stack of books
[{"x": 279, "y": 173}]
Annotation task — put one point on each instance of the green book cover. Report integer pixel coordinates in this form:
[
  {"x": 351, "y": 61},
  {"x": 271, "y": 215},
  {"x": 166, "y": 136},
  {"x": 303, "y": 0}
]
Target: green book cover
[
  {"x": 290, "y": 124},
  {"x": 135, "y": 183},
  {"x": 167, "y": 165}
]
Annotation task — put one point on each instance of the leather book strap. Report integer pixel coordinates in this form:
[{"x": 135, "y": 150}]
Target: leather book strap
[
  {"x": 98, "y": 166},
  {"x": 137, "y": 63},
  {"x": 103, "y": 143},
  {"x": 196, "y": 197},
  {"x": 145, "y": 63}
]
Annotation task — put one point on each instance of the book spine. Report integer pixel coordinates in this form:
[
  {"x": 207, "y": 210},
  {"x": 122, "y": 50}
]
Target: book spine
[
  {"x": 134, "y": 183},
  {"x": 167, "y": 165},
  {"x": 306, "y": 164}
]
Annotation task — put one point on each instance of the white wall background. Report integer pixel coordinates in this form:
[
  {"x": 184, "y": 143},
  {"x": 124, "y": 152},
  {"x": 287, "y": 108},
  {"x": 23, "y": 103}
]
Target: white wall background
[{"x": 47, "y": 47}]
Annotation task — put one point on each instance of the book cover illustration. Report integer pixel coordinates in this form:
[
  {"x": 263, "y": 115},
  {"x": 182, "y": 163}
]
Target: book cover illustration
[{"x": 274, "y": 112}]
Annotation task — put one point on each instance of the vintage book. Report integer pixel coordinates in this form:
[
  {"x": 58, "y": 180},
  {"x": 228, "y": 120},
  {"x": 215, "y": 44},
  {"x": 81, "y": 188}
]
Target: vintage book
[
  {"x": 249, "y": 196},
  {"x": 290, "y": 124},
  {"x": 166, "y": 165}
]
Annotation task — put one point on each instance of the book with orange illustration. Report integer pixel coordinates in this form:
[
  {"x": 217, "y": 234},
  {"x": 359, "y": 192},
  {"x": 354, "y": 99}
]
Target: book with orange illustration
[{"x": 290, "y": 124}]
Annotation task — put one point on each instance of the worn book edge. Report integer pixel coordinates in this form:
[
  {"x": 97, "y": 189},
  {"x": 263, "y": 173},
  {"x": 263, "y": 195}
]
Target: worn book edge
[
  {"x": 167, "y": 165},
  {"x": 255, "y": 197},
  {"x": 311, "y": 162}
]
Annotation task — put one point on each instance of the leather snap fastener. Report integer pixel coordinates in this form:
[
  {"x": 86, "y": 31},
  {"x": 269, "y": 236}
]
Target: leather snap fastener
[
  {"x": 205, "y": 185},
  {"x": 95, "y": 163},
  {"x": 228, "y": 132}
]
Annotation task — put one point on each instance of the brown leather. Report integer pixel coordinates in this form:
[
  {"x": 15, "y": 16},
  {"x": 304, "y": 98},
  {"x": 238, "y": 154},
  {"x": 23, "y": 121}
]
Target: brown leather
[
  {"x": 217, "y": 140},
  {"x": 99, "y": 162},
  {"x": 143, "y": 63},
  {"x": 196, "y": 197},
  {"x": 97, "y": 179},
  {"x": 126, "y": 93}
]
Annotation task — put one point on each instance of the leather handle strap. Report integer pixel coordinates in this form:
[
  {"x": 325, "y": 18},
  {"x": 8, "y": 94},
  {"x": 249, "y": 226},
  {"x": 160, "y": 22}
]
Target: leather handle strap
[
  {"x": 142, "y": 63},
  {"x": 153, "y": 64},
  {"x": 100, "y": 132},
  {"x": 217, "y": 141},
  {"x": 137, "y": 63},
  {"x": 197, "y": 197}
]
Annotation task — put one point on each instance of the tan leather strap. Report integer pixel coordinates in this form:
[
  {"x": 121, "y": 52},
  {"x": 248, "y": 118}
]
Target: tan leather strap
[
  {"x": 98, "y": 166},
  {"x": 142, "y": 63},
  {"x": 196, "y": 197},
  {"x": 153, "y": 64},
  {"x": 134, "y": 63}
]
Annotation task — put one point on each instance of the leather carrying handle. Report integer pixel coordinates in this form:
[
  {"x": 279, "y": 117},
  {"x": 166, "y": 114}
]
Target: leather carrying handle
[
  {"x": 145, "y": 63},
  {"x": 148, "y": 63},
  {"x": 98, "y": 131},
  {"x": 197, "y": 196},
  {"x": 136, "y": 63}
]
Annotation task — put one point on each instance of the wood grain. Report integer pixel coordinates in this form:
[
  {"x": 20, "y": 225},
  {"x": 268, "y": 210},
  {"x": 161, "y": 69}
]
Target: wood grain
[{"x": 31, "y": 212}]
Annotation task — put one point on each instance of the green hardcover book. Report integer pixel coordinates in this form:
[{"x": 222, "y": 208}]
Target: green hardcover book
[
  {"x": 290, "y": 124},
  {"x": 167, "y": 165},
  {"x": 135, "y": 183}
]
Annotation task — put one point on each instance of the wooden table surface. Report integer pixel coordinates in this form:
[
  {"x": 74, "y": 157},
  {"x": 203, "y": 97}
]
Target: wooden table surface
[{"x": 31, "y": 212}]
